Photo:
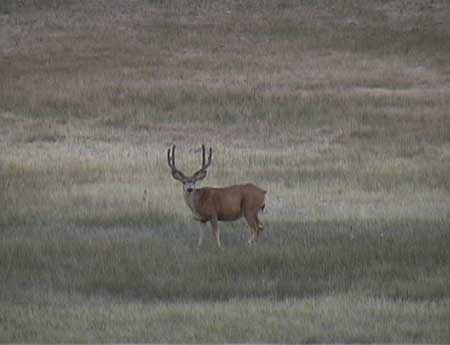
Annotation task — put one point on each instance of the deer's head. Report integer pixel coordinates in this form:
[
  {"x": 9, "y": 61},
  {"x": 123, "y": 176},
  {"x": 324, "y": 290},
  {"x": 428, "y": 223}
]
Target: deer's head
[{"x": 189, "y": 182}]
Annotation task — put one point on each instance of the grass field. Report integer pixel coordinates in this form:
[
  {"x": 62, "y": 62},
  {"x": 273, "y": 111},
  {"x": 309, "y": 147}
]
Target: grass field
[{"x": 340, "y": 109}]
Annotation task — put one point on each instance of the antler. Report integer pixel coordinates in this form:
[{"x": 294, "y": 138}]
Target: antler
[
  {"x": 177, "y": 174},
  {"x": 201, "y": 174}
]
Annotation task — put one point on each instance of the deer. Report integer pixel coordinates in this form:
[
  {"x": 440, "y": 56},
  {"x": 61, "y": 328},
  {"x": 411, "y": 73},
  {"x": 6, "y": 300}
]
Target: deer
[{"x": 224, "y": 204}]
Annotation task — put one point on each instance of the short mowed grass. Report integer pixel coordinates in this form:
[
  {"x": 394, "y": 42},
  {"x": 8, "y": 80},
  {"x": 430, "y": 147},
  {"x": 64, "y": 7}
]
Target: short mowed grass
[{"x": 338, "y": 108}]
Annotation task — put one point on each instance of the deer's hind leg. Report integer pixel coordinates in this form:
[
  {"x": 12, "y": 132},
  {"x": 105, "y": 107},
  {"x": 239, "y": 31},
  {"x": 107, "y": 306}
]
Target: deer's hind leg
[
  {"x": 260, "y": 226},
  {"x": 254, "y": 225}
]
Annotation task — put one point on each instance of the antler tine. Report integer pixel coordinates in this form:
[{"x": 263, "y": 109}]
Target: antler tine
[
  {"x": 204, "y": 163},
  {"x": 171, "y": 158},
  {"x": 203, "y": 155},
  {"x": 177, "y": 174},
  {"x": 204, "y": 166},
  {"x": 209, "y": 159},
  {"x": 201, "y": 173}
]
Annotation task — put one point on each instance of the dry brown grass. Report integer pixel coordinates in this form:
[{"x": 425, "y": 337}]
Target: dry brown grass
[{"x": 338, "y": 108}]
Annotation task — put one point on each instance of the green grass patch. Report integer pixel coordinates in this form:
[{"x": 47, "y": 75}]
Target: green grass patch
[
  {"x": 343, "y": 318},
  {"x": 396, "y": 260}
]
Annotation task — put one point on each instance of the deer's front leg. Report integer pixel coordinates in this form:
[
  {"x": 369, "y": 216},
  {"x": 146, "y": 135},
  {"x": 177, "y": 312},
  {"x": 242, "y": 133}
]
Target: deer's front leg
[{"x": 216, "y": 231}]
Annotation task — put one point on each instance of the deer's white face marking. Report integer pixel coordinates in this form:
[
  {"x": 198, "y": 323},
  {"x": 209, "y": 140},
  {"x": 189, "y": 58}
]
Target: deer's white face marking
[{"x": 189, "y": 186}]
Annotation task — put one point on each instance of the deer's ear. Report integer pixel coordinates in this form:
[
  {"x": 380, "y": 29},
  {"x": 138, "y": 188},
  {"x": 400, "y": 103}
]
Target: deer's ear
[
  {"x": 178, "y": 175},
  {"x": 199, "y": 175}
]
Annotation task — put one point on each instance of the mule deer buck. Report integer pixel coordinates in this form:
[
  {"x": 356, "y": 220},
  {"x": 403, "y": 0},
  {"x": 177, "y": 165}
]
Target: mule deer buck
[{"x": 219, "y": 204}]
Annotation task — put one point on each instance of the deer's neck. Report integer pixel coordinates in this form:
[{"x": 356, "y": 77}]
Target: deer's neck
[{"x": 193, "y": 200}]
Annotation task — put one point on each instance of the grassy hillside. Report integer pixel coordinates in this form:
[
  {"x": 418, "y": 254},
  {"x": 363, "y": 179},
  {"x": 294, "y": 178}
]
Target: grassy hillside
[{"x": 338, "y": 108}]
